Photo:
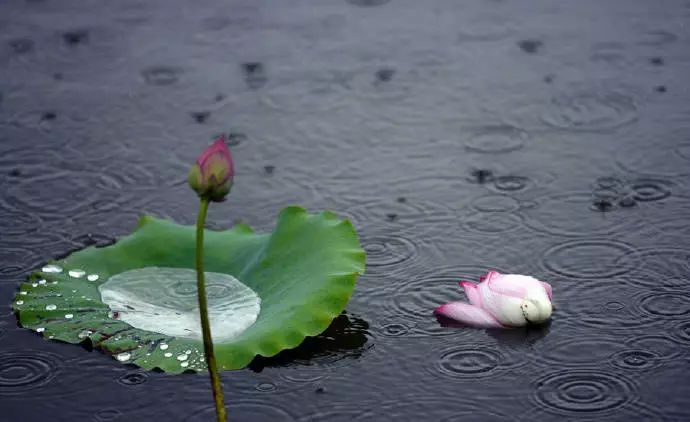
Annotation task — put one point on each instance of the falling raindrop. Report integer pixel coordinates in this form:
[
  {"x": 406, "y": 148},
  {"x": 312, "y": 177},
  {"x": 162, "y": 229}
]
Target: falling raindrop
[
  {"x": 92, "y": 277},
  {"x": 77, "y": 273},
  {"x": 123, "y": 357},
  {"x": 164, "y": 346},
  {"x": 69, "y": 316},
  {"x": 52, "y": 269},
  {"x": 51, "y": 307}
]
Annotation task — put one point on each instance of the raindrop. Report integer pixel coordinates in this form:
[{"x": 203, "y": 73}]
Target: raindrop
[
  {"x": 75, "y": 37},
  {"x": 530, "y": 46},
  {"x": 200, "y": 116},
  {"x": 92, "y": 277},
  {"x": 85, "y": 334},
  {"x": 69, "y": 316},
  {"x": 42, "y": 282},
  {"x": 184, "y": 364},
  {"x": 52, "y": 269},
  {"x": 133, "y": 378},
  {"x": 266, "y": 387},
  {"x": 394, "y": 330},
  {"x": 40, "y": 329},
  {"x": 182, "y": 357},
  {"x": 19, "y": 302},
  {"x": 160, "y": 75},
  {"x": 76, "y": 273},
  {"x": 167, "y": 354},
  {"x": 164, "y": 346},
  {"x": 511, "y": 183},
  {"x": 23, "y": 292},
  {"x": 635, "y": 359},
  {"x": 123, "y": 357},
  {"x": 657, "y": 61},
  {"x": 51, "y": 307}
]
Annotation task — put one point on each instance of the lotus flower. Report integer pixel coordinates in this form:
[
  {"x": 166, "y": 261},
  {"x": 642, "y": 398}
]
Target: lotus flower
[
  {"x": 211, "y": 176},
  {"x": 501, "y": 301}
]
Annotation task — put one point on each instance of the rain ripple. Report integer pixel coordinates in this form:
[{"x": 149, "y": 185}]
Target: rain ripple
[{"x": 22, "y": 371}]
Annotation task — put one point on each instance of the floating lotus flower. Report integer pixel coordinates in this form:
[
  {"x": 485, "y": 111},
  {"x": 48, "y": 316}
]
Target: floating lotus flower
[{"x": 501, "y": 301}]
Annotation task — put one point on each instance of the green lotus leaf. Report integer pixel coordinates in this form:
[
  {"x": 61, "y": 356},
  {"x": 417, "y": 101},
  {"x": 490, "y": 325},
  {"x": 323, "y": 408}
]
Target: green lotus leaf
[{"x": 136, "y": 299}]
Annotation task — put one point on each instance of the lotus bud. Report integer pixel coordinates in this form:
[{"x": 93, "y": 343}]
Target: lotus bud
[{"x": 212, "y": 174}]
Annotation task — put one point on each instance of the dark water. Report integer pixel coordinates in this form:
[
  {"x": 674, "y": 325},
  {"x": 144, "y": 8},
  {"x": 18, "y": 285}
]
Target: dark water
[{"x": 549, "y": 138}]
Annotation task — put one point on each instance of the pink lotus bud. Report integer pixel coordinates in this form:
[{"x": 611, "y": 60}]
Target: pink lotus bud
[
  {"x": 211, "y": 176},
  {"x": 501, "y": 300}
]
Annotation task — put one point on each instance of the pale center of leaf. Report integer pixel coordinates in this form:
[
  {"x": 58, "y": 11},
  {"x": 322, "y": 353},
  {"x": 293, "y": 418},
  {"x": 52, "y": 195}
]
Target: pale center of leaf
[{"x": 164, "y": 300}]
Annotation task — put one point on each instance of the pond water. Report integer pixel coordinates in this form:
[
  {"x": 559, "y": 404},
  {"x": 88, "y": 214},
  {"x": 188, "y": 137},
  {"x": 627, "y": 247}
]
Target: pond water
[{"x": 544, "y": 138}]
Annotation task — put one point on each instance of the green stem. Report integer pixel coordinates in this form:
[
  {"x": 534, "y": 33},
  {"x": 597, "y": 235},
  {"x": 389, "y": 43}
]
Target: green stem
[{"x": 203, "y": 312}]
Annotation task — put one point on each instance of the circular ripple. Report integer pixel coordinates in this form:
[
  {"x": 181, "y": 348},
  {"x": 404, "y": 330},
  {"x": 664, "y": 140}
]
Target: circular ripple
[
  {"x": 571, "y": 214},
  {"x": 591, "y": 111},
  {"x": 662, "y": 345},
  {"x": 244, "y": 410},
  {"x": 161, "y": 75},
  {"x": 673, "y": 304},
  {"x": 577, "y": 391},
  {"x": 423, "y": 218},
  {"x": 496, "y": 203},
  {"x": 24, "y": 371},
  {"x": 682, "y": 332},
  {"x": 511, "y": 183},
  {"x": 492, "y": 222},
  {"x": 316, "y": 94},
  {"x": 394, "y": 329},
  {"x": 468, "y": 362},
  {"x": 635, "y": 359},
  {"x": 368, "y": 3},
  {"x": 107, "y": 415},
  {"x": 559, "y": 351},
  {"x": 133, "y": 378},
  {"x": 589, "y": 259},
  {"x": 646, "y": 190},
  {"x": 661, "y": 159},
  {"x": 58, "y": 193},
  {"x": 496, "y": 139},
  {"x": 385, "y": 252}
]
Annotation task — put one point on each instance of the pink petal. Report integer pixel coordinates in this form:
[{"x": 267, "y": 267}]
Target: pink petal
[
  {"x": 491, "y": 274},
  {"x": 507, "y": 286},
  {"x": 472, "y": 293},
  {"x": 467, "y": 314},
  {"x": 549, "y": 290}
]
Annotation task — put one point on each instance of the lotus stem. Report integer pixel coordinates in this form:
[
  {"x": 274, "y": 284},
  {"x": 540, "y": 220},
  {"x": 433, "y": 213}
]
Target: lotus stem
[{"x": 221, "y": 415}]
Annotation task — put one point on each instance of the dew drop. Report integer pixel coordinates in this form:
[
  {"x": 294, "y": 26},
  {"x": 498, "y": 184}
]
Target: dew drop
[
  {"x": 92, "y": 277},
  {"x": 77, "y": 273},
  {"x": 168, "y": 355},
  {"x": 23, "y": 292},
  {"x": 34, "y": 284},
  {"x": 188, "y": 352},
  {"x": 51, "y": 269},
  {"x": 42, "y": 282},
  {"x": 123, "y": 357},
  {"x": 182, "y": 357},
  {"x": 51, "y": 307},
  {"x": 40, "y": 329},
  {"x": 69, "y": 316},
  {"x": 20, "y": 302},
  {"x": 164, "y": 346},
  {"x": 184, "y": 364}
]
